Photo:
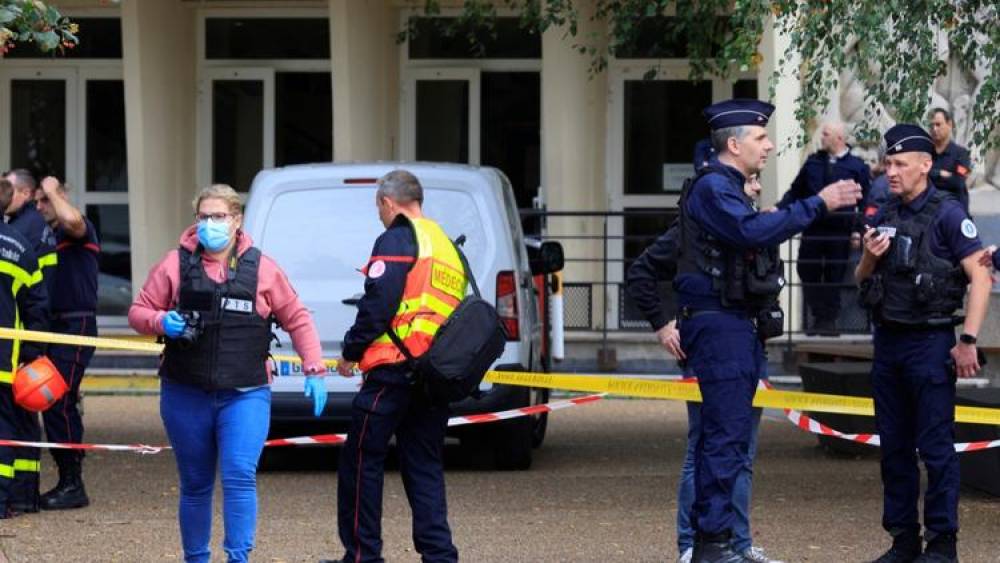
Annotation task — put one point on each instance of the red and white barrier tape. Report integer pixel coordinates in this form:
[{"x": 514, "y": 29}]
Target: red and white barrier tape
[
  {"x": 321, "y": 438},
  {"x": 809, "y": 424}
]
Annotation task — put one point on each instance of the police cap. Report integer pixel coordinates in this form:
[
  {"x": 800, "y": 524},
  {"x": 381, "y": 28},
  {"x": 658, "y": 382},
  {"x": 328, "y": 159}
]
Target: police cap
[
  {"x": 905, "y": 137},
  {"x": 737, "y": 112}
]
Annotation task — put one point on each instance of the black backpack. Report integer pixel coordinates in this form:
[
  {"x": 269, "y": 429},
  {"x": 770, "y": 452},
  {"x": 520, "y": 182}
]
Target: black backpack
[{"x": 463, "y": 349}]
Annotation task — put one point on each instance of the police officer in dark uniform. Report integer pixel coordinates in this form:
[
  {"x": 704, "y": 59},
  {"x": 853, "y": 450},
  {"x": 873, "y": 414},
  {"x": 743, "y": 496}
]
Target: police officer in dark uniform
[
  {"x": 73, "y": 287},
  {"x": 952, "y": 164},
  {"x": 920, "y": 253},
  {"x": 728, "y": 278},
  {"x": 826, "y": 244},
  {"x": 23, "y": 304},
  {"x": 397, "y": 278},
  {"x": 703, "y": 154}
]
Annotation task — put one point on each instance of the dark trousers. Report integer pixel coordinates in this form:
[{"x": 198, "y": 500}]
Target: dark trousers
[
  {"x": 19, "y": 467},
  {"x": 915, "y": 411},
  {"x": 385, "y": 406},
  {"x": 62, "y": 421},
  {"x": 726, "y": 356},
  {"x": 823, "y": 262}
]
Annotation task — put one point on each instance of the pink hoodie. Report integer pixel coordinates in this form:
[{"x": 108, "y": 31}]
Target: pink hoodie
[{"x": 274, "y": 295}]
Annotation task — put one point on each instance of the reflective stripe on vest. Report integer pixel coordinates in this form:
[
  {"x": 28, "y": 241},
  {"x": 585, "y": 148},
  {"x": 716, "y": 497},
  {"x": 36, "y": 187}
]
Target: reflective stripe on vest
[
  {"x": 20, "y": 278},
  {"x": 27, "y": 465},
  {"x": 434, "y": 287},
  {"x": 6, "y": 471}
]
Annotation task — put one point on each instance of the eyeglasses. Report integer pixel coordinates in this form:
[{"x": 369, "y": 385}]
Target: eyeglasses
[{"x": 215, "y": 217}]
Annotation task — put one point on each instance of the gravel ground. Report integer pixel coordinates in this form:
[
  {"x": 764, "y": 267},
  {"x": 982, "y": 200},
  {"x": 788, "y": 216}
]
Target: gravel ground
[{"x": 602, "y": 489}]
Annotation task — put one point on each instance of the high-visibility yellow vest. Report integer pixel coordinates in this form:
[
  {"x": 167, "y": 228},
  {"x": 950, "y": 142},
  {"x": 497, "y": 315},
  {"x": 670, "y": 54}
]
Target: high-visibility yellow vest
[{"x": 435, "y": 285}]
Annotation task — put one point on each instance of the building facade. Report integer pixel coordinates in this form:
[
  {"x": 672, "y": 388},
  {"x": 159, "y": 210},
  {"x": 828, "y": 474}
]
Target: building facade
[{"x": 162, "y": 97}]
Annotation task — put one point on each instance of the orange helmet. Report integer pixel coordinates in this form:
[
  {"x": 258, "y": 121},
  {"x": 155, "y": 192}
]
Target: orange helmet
[{"x": 38, "y": 385}]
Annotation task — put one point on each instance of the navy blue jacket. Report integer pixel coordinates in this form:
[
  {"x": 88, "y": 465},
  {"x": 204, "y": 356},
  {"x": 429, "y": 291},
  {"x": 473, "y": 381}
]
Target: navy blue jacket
[
  {"x": 953, "y": 235},
  {"x": 29, "y": 304},
  {"x": 820, "y": 171},
  {"x": 656, "y": 264},
  {"x": 73, "y": 287},
  {"x": 393, "y": 256},
  {"x": 955, "y": 159},
  {"x": 716, "y": 202}
]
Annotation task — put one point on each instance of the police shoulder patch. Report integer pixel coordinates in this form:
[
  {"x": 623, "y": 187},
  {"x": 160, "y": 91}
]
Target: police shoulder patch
[{"x": 969, "y": 229}]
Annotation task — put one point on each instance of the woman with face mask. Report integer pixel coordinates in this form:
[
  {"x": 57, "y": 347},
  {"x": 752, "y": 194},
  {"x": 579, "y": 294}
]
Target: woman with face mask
[{"x": 214, "y": 299}]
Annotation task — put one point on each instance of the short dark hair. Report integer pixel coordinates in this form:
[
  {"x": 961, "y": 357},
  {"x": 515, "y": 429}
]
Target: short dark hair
[
  {"x": 23, "y": 177},
  {"x": 944, "y": 112},
  {"x": 720, "y": 137}
]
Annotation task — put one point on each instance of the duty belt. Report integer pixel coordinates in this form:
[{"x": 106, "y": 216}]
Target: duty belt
[{"x": 71, "y": 315}]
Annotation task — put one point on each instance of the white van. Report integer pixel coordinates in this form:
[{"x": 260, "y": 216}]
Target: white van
[{"x": 319, "y": 223}]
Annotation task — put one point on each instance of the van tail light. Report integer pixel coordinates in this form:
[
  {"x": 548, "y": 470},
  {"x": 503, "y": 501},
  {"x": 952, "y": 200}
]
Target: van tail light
[{"x": 507, "y": 304}]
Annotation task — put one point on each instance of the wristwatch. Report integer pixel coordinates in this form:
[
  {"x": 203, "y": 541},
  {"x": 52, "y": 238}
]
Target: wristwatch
[{"x": 966, "y": 338}]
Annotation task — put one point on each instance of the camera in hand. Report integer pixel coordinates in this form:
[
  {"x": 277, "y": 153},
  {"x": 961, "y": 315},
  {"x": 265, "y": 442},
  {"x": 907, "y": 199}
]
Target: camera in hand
[{"x": 192, "y": 329}]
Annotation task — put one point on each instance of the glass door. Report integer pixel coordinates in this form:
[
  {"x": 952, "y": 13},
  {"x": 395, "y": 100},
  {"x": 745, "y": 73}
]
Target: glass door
[
  {"x": 441, "y": 117},
  {"x": 236, "y": 125},
  {"x": 40, "y": 106}
]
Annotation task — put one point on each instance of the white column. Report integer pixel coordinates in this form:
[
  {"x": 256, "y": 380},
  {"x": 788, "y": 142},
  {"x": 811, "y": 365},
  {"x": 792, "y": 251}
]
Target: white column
[
  {"x": 574, "y": 131},
  {"x": 365, "y": 67},
  {"x": 159, "y": 64}
]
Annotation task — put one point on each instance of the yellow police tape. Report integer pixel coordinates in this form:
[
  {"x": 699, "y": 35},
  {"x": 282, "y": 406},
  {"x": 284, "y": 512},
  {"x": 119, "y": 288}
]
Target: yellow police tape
[{"x": 645, "y": 388}]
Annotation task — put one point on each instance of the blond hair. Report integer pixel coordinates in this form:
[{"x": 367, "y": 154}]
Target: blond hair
[{"x": 225, "y": 192}]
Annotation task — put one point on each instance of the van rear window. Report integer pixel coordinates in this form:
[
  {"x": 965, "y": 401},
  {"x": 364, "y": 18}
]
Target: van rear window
[{"x": 324, "y": 234}]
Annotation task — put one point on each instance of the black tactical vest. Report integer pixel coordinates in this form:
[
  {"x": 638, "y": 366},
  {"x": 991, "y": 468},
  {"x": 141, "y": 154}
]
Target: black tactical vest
[
  {"x": 910, "y": 285},
  {"x": 234, "y": 339},
  {"x": 745, "y": 279}
]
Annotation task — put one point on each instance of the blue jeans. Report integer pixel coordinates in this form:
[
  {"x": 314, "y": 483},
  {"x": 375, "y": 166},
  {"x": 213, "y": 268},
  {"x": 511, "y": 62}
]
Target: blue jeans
[
  {"x": 207, "y": 428},
  {"x": 741, "y": 492}
]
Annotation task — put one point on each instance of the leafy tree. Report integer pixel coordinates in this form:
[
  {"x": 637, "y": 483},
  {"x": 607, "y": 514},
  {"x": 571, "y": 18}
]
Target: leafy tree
[
  {"x": 898, "y": 48},
  {"x": 32, "y": 21}
]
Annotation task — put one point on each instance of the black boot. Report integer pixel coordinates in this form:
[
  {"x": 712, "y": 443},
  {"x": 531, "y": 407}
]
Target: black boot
[
  {"x": 715, "y": 548},
  {"x": 905, "y": 548},
  {"x": 941, "y": 548},
  {"x": 69, "y": 492}
]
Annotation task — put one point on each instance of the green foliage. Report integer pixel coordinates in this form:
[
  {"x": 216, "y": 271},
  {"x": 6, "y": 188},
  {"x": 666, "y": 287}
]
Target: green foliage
[
  {"x": 32, "y": 21},
  {"x": 898, "y": 48}
]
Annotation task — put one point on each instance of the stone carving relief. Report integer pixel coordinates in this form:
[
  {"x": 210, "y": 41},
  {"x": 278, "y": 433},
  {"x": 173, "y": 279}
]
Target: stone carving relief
[{"x": 954, "y": 92}]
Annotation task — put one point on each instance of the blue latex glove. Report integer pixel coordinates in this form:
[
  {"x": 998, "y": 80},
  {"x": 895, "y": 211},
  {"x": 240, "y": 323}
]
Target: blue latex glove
[
  {"x": 316, "y": 388},
  {"x": 173, "y": 324}
]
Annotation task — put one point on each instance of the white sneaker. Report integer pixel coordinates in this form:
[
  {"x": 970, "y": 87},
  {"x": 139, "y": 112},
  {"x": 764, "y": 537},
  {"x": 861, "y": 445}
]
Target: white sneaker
[
  {"x": 757, "y": 555},
  {"x": 686, "y": 556}
]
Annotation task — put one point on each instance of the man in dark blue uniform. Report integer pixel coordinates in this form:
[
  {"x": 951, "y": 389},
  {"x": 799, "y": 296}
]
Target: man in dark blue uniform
[
  {"x": 952, "y": 164},
  {"x": 658, "y": 263},
  {"x": 920, "y": 253},
  {"x": 23, "y": 304},
  {"x": 19, "y": 207},
  {"x": 73, "y": 290},
  {"x": 24, "y": 217},
  {"x": 703, "y": 154},
  {"x": 389, "y": 402},
  {"x": 826, "y": 244},
  {"x": 728, "y": 275}
]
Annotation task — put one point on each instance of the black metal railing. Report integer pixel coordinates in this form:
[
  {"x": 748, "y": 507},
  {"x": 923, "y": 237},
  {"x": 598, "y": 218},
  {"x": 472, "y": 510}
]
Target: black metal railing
[{"x": 619, "y": 237}]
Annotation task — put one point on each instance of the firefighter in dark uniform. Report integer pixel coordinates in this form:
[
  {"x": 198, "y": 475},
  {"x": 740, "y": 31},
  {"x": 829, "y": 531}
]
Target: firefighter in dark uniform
[
  {"x": 728, "y": 278},
  {"x": 921, "y": 251},
  {"x": 73, "y": 310},
  {"x": 400, "y": 295},
  {"x": 24, "y": 217},
  {"x": 952, "y": 165},
  {"x": 826, "y": 244},
  {"x": 23, "y": 304}
]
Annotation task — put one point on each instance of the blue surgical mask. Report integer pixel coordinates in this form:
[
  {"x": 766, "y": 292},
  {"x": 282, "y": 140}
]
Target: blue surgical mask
[{"x": 213, "y": 236}]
